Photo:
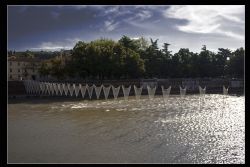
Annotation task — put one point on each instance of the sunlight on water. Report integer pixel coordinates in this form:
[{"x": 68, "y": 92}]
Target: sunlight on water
[{"x": 191, "y": 129}]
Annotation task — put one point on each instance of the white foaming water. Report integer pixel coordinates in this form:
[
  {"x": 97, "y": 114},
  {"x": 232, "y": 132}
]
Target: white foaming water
[
  {"x": 165, "y": 92},
  {"x": 126, "y": 91},
  {"x": 83, "y": 89},
  {"x": 98, "y": 90},
  {"x": 115, "y": 91},
  {"x": 225, "y": 90},
  {"x": 81, "y": 105},
  {"x": 202, "y": 91},
  {"x": 47, "y": 88},
  {"x": 183, "y": 91},
  {"x": 56, "y": 88},
  {"x": 90, "y": 90},
  {"x": 60, "y": 88},
  {"x": 43, "y": 88},
  {"x": 106, "y": 91},
  {"x": 65, "y": 89},
  {"x": 51, "y": 89},
  {"x": 151, "y": 92},
  {"x": 137, "y": 92},
  {"x": 71, "y": 90},
  {"x": 77, "y": 89}
]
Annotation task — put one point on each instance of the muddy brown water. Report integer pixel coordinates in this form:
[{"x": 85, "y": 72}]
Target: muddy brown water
[{"x": 174, "y": 130}]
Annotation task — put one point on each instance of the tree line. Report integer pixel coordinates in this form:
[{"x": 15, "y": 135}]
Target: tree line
[{"x": 138, "y": 58}]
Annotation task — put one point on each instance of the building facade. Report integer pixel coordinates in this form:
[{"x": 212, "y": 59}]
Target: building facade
[{"x": 23, "y": 68}]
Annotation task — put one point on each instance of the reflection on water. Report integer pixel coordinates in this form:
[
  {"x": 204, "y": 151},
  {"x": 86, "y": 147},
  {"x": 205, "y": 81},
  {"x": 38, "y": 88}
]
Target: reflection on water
[{"x": 174, "y": 130}]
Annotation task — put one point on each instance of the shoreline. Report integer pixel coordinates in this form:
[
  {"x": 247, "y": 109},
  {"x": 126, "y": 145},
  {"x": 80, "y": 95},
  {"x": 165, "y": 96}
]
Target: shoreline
[{"x": 48, "y": 99}]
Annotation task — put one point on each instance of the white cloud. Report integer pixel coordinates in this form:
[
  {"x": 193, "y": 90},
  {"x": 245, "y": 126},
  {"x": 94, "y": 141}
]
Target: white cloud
[
  {"x": 73, "y": 40},
  {"x": 209, "y": 18},
  {"x": 67, "y": 43},
  {"x": 140, "y": 16},
  {"x": 48, "y": 46},
  {"x": 135, "y": 38},
  {"x": 110, "y": 25},
  {"x": 112, "y": 10},
  {"x": 143, "y": 15}
]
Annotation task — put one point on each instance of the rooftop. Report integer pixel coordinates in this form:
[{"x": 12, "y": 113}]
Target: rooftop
[{"x": 23, "y": 59}]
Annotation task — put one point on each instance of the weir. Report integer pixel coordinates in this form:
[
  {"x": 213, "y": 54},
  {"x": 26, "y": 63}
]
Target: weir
[
  {"x": 83, "y": 89},
  {"x": 90, "y": 90},
  {"x": 151, "y": 92},
  {"x": 138, "y": 92},
  {"x": 65, "y": 89},
  {"x": 126, "y": 91},
  {"x": 115, "y": 91},
  {"x": 106, "y": 91}
]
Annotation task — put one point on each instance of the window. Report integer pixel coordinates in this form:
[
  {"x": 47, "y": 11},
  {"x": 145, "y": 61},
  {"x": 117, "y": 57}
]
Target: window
[
  {"x": 10, "y": 76},
  {"x": 18, "y": 63},
  {"x": 10, "y": 70},
  {"x": 18, "y": 70}
]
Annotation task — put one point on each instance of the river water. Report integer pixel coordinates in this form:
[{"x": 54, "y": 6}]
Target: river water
[{"x": 192, "y": 129}]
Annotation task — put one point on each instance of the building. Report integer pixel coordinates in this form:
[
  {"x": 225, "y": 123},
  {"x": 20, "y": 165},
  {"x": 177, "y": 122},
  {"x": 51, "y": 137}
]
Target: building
[{"x": 23, "y": 68}]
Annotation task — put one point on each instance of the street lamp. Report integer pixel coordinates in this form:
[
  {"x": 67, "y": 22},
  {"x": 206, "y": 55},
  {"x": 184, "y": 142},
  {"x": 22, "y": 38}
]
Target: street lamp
[{"x": 226, "y": 66}]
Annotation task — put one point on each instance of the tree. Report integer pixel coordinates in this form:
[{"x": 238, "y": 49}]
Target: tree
[
  {"x": 107, "y": 59},
  {"x": 221, "y": 63},
  {"x": 134, "y": 58},
  {"x": 57, "y": 69},
  {"x": 44, "y": 69},
  {"x": 152, "y": 59},
  {"x": 141, "y": 43},
  {"x": 236, "y": 64},
  {"x": 129, "y": 43},
  {"x": 204, "y": 62},
  {"x": 28, "y": 54},
  {"x": 185, "y": 62}
]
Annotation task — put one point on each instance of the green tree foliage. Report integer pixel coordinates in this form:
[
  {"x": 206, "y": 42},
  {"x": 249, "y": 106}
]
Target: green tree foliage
[
  {"x": 106, "y": 59},
  {"x": 135, "y": 58},
  {"x": 129, "y": 43},
  {"x": 236, "y": 64},
  {"x": 44, "y": 70},
  {"x": 204, "y": 65},
  {"x": 28, "y": 54},
  {"x": 54, "y": 68},
  {"x": 57, "y": 69}
]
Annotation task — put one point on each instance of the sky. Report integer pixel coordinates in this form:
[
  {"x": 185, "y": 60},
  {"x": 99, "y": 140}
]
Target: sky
[{"x": 182, "y": 26}]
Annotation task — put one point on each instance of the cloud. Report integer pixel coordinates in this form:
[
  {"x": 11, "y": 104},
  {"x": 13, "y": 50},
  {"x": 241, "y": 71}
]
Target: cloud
[
  {"x": 143, "y": 15},
  {"x": 208, "y": 18},
  {"x": 135, "y": 38},
  {"x": 67, "y": 43},
  {"x": 48, "y": 46},
  {"x": 73, "y": 40},
  {"x": 60, "y": 27},
  {"x": 140, "y": 16},
  {"x": 110, "y": 25},
  {"x": 111, "y": 10}
]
